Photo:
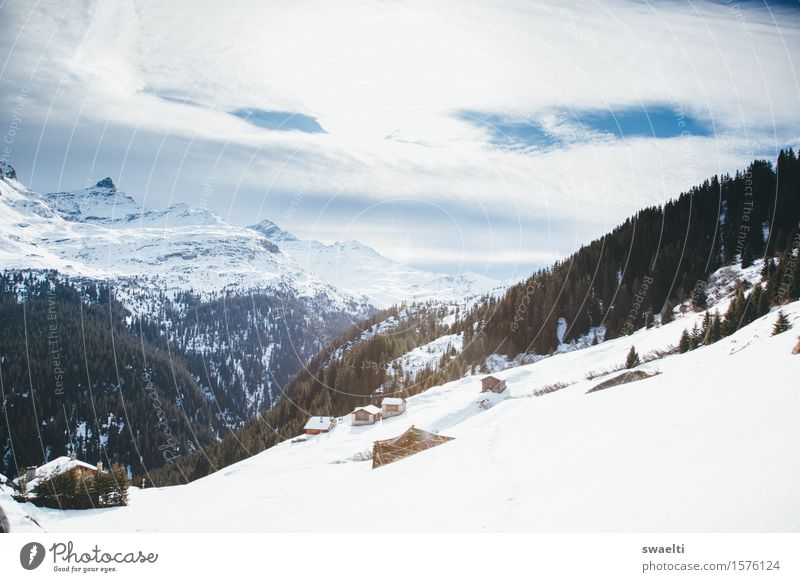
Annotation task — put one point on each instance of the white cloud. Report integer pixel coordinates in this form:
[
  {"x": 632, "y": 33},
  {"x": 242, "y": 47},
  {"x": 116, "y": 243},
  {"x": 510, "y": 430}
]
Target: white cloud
[{"x": 402, "y": 70}]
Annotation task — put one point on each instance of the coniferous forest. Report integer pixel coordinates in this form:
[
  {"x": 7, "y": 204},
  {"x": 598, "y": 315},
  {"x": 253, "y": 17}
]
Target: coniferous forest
[{"x": 80, "y": 374}]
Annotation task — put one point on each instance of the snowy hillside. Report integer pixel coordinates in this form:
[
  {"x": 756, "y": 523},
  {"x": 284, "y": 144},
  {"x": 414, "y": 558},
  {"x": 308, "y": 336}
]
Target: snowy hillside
[
  {"x": 709, "y": 442},
  {"x": 427, "y": 355},
  {"x": 359, "y": 269}
]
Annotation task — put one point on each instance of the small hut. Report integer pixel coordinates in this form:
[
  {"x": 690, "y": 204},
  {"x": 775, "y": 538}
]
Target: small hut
[
  {"x": 318, "y": 424},
  {"x": 412, "y": 441},
  {"x": 365, "y": 415},
  {"x": 393, "y": 407},
  {"x": 492, "y": 384}
]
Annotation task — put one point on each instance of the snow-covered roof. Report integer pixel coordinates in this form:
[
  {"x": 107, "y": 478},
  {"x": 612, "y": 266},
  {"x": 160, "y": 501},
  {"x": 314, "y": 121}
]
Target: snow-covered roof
[
  {"x": 389, "y": 400},
  {"x": 319, "y": 423},
  {"x": 368, "y": 408},
  {"x": 61, "y": 465},
  {"x": 56, "y": 467}
]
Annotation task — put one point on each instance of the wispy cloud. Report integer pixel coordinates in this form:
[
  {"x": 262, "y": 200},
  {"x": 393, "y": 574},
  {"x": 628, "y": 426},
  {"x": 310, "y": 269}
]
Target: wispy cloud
[{"x": 572, "y": 115}]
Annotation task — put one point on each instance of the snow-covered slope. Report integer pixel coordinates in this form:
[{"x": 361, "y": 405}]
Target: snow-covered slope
[
  {"x": 359, "y": 269},
  {"x": 709, "y": 443},
  {"x": 426, "y": 356},
  {"x": 103, "y": 233}
]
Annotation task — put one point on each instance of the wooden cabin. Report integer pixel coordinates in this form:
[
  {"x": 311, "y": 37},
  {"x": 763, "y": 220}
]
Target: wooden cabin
[
  {"x": 393, "y": 407},
  {"x": 35, "y": 475},
  {"x": 318, "y": 424},
  {"x": 492, "y": 384},
  {"x": 365, "y": 415},
  {"x": 411, "y": 442}
]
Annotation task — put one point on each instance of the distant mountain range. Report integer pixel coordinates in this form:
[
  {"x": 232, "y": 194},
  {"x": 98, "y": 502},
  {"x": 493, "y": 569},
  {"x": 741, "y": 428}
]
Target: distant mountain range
[
  {"x": 102, "y": 233},
  {"x": 361, "y": 271}
]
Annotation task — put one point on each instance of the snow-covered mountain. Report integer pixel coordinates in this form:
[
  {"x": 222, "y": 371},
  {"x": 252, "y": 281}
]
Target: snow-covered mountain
[
  {"x": 706, "y": 441},
  {"x": 103, "y": 233},
  {"x": 360, "y": 270}
]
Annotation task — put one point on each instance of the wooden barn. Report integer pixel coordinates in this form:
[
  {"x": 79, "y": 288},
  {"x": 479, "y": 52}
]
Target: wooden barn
[
  {"x": 412, "y": 441},
  {"x": 318, "y": 424},
  {"x": 492, "y": 384},
  {"x": 365, "y": 415},
  {"x": 393, "y": 407}
]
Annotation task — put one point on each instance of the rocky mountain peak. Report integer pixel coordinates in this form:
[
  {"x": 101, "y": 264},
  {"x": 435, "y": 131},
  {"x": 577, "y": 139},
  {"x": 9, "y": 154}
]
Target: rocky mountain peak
[
  {"x": 106, "y": 183},
  {"x": 272, "y": 231},
  {"x": 7, "y": 171}
]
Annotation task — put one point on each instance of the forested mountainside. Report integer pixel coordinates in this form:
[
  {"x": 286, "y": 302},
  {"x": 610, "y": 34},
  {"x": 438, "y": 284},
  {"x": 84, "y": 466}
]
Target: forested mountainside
[
  {"x": 657, "y": 259},
  {"x": 241, "y": 348},
  {"x": 340, "y": 376},
  {"x": 662, "y": 254},
  {"x": 81, "y": 374},
  {"x": 75, "y": 379}
]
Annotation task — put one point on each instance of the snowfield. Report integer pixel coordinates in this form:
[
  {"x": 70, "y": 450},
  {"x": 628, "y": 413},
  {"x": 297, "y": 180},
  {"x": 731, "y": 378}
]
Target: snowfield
[{"x": 710, "y": 443}]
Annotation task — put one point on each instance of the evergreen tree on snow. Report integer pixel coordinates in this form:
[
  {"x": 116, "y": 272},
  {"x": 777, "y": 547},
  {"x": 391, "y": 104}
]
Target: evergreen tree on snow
[
  {"x": 666, "y": 313},
  {"x": 713, "y": 331},
  {"x": 699, "y": 298},
  {"x": 648, "y": 318},
  {"x": 781, "y": 324},
  {"x": 733, "y": 316},
  {"x": 633, "y": 359},
  {"x": 685, "y": 344},
  {"x": 696, "y": 336}
]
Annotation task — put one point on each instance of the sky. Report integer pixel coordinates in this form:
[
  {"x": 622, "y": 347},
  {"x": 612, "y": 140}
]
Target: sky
[{"x": 490, "y": 136}]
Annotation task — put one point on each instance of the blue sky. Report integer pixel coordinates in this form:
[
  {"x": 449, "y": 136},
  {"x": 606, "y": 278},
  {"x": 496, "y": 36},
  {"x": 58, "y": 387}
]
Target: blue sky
[
  {"x": 484, "y": 136},
  {"x": 655, "y": 120}
]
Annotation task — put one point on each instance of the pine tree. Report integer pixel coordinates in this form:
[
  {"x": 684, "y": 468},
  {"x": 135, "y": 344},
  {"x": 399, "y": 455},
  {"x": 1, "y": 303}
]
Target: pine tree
[
  {"x": 666, "y": 313},
  {"x": 714, "y": 331},
  {"x": 705, "y": 326},
  {"x": 699, "y": 297},
  {"x": 781, "y": 324},
  {"x": 768, "y": 269},
  {"x": 648, "y": 318},
  {"x": 762, "y": 308},
  {"x": 685, "y": 344},
  {"x": 747, "y": 257},
  {"x": 119, "y": 490},
  {"x": 696, "y": 336},
  {"x": 633, "y": 359},
  {"x": 734, "y": 314}
]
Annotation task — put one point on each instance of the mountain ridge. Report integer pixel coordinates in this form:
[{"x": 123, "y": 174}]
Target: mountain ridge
[
  {"x": 356, "y": 267},
  {"x": 102, "y": 232}
]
